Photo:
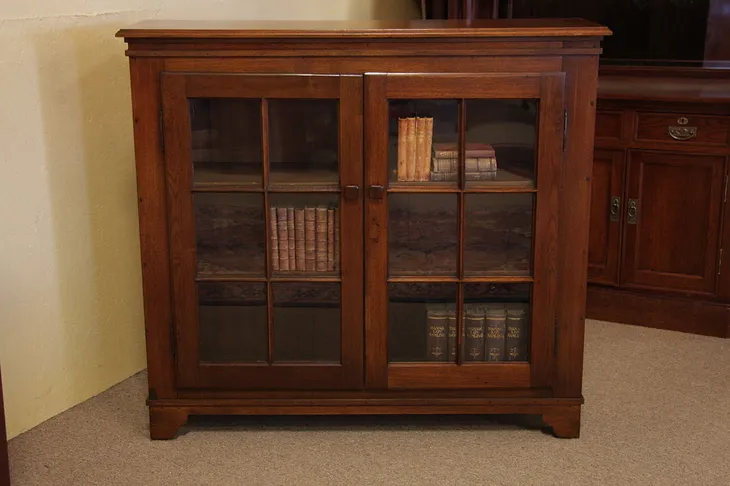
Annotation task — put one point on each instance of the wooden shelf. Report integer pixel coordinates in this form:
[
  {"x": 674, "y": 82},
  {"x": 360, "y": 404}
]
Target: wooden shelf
[{"x": 466, "y": 279}]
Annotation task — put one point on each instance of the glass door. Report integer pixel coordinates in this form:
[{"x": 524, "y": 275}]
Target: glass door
[
  {"x": 264, "y": 176},
  {"x": 461, "y": 176}
]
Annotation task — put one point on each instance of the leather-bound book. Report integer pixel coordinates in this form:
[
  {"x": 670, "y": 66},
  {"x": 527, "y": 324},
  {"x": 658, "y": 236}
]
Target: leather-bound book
[
  {"x": 450, "y": 150},
  {"x": 451, "y": 316},
  {"x": 496, "y": 322},
  {"x": 310, "y": 245},
  {"x": 337, "y": 239},
  {"x": 299, "y": 239},
  {"x": 274, "y": 237},
  {"x": 473, "y": 333},
  {"x": 321, "y": 239},
  {"x": 420, "y": 147},
  {"x": 292, "y": 238},
  {"x": 426, "y": 161},
  {"x": 283, "y": 239},
  {"x": 517, "y": 333},
  {"x": 330, "y": 240},
  {"x": 402, "y": 148},
  {"x": 437, "y": 329},
  {"x": 410, "y": 149}
]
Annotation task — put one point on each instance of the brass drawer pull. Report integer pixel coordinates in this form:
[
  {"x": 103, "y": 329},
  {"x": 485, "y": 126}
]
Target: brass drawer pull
[
  {"x": 615, "y": 209},
  {"x": 633, "y": 203},
  {"x": 682, "y": 133}
]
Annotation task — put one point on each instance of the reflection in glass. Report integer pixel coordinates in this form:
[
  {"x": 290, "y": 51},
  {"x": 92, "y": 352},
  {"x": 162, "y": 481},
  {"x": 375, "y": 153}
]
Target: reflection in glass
[
  {"x": 498, "y": 234},
  {"x": 226, "y": 140},
  {"x": 303, "y": 140},
  {"x": 422, "y": 234},
  {"x": 422, "y": 322},
  {"x": 230, "y": 233},
  {"x": 232, "y": 320},
  {"x": 306, "y": 322}
]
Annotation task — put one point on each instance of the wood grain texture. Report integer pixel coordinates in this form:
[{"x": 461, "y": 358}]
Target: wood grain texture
[
  {"x": 166, "y": 421},
  {"x": 711, "y": 130},
  {"x": 4, "y": 461},
  {"x": 659, "y": 310},
  {"x": 368, "y": 29},
  {"x": 565, "y": 422},
  {"x": 609, "y": 125},
  {"x": 434, "y": 376},
  {"x": 152, "y": 208},
  {"x": 604, "y": 245}
]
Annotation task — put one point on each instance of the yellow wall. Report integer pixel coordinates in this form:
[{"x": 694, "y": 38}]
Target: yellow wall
[{"x": 71, "y": 321}]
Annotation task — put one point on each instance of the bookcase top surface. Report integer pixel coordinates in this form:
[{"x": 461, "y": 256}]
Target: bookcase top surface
[{"x": 372, "y": 29}]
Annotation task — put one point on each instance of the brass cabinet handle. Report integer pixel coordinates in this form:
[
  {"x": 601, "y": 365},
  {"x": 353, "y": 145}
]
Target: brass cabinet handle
[
  {"x": 633, "y": 204},
  {"x": 615, "y": 209},
  {"x": 682, "y": 133}
]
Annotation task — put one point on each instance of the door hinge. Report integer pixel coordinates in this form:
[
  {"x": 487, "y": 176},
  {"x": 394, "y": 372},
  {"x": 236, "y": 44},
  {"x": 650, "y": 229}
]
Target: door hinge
[
  {"x": 724, "y": 197},
  {"x": 162, "y": 131},
  {"x": 719, "y": 263},
  {"x": 565, "y": 129}
]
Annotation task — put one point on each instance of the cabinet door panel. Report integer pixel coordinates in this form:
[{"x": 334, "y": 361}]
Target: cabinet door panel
[
  {"x": 263, "y": 178},
  {"x": 606, "y": 210},
  {"x": 671, "y": 237}
]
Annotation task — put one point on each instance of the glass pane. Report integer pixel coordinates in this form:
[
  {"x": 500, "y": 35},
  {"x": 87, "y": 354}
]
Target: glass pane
[
  {"x": 423, "y": 234},
  {"x": 226, "y": 138},
  {"x": 422, "y": 322},
  {"x": 496, "y": 322},
  {"x": 303, "y": 139},
  {"x": 415, "y": 127},
  {"x": 500, "y": 143},
  {"x": 498, "y": 234},
  {"x": 232, "y": 322},
  {"x": 230, "y": 233},
  {"x": 305, "y": 233},
  {"x": 307, "y": 322}
]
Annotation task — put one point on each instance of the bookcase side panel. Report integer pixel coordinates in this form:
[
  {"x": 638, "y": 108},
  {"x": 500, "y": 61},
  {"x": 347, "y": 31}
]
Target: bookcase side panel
[{"x": 152, "y": 207}]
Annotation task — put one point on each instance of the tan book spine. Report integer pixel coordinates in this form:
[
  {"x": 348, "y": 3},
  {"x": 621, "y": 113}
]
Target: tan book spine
[
  {"x": 420, "y": 147},
  {"x": 337, "y": 239},
  {"x": 330, "y": 240},
  {"x": 283, "y": 239},
  {"x": 309, "y": 239},
  {"x": 321, "y": 239},
  {"x": 299, "y": 240},
  {"x": 274, "y": 237},
  {"x": 292, "y": 238},
  {"x": 402, "y": 148},
  {"x": 411, "y": 149},
  {"x": 427, "y": 150}
]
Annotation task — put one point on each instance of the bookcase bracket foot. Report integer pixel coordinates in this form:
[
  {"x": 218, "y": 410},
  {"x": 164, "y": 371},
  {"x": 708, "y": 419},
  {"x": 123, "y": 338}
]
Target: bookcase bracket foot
[
  {"x": 165, "y": 422},
  {"x": 564, "y": 422}
]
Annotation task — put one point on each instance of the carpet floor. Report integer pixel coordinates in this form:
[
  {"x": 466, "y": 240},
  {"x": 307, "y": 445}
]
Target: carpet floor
[{"x": 657, "y": 412}]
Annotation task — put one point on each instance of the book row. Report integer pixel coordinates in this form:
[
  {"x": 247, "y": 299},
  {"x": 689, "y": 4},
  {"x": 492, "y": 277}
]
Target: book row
[
  {"x": 304, "y": 239},
  {"x": 490, "y": 332}
]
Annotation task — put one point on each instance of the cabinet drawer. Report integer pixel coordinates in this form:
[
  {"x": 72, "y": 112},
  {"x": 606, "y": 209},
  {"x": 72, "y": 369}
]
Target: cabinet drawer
[
  {"x": 609, "y": 125},
  {"x": 689, "y": 129}
]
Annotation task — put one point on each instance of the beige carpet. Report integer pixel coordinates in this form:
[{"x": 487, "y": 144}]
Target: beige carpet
[{"x": 657, "y": 412}]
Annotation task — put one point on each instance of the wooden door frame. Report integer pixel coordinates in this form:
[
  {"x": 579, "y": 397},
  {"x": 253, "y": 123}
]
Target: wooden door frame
[
  {"x": 379, "y": 88},
  {"x": 347, "y": 89}
]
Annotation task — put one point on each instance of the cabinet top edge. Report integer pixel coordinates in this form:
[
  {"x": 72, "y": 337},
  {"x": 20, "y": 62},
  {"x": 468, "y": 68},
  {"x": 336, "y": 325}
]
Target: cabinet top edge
[{"x": 372, "y": 29}]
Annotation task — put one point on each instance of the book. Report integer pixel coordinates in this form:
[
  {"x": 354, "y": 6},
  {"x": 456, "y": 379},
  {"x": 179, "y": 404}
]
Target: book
[
  {"x": 420, "y": 148},
  {"x": 337, "y": 239},
  {"x": 292, "y": 238},
  {"x": 473, "y": 164},
  {"x": 321, "y": 239},
  {"x": 437, "y": 340},
  {"x": 299, "y": 239},
  {"x": 496, "y": 322},
  {"x": 451, "y": 315},
  {"x": 516, "y": 333},
  {"x": 449, "y": 150},
  {"x": 473, "y": 333},
  {"x": 469, "y": 176},
  {"x": 410, "y": 149},
  {"x": 309, "y": 239},
  {"x": 283, "y": 235},
  {"x": 274, "y": 237},
  {"x": 330, "y": 240},
  {"x": 402, "y": 148},
  {"x": 429, "y": 147}
]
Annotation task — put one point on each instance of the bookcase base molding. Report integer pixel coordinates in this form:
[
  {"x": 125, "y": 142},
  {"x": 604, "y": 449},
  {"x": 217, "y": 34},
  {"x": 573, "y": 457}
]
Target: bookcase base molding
[
  {"x": 364, "y": 218},
  {"x": 560, "y": 416}
]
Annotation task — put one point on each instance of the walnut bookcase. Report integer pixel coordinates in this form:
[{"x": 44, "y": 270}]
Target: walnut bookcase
[{"x": 293, "y": 264}]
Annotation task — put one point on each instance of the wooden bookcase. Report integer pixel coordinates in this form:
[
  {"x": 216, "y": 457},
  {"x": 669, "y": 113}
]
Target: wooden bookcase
[{"x": 256, "y": 138}]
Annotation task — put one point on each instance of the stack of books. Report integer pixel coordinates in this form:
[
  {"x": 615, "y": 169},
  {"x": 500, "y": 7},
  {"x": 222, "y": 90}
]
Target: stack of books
[
  {"x": 491, "y": 332},
  {"x": 480, "y": 161},
  {"x": 415, "y": 136},
  {"x": 304, "y": 239}
]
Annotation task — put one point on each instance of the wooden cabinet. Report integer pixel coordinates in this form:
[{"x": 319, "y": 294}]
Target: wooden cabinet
[
  {"x": 330, "y": 224},
  {"x": 661, "y": 162}
]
